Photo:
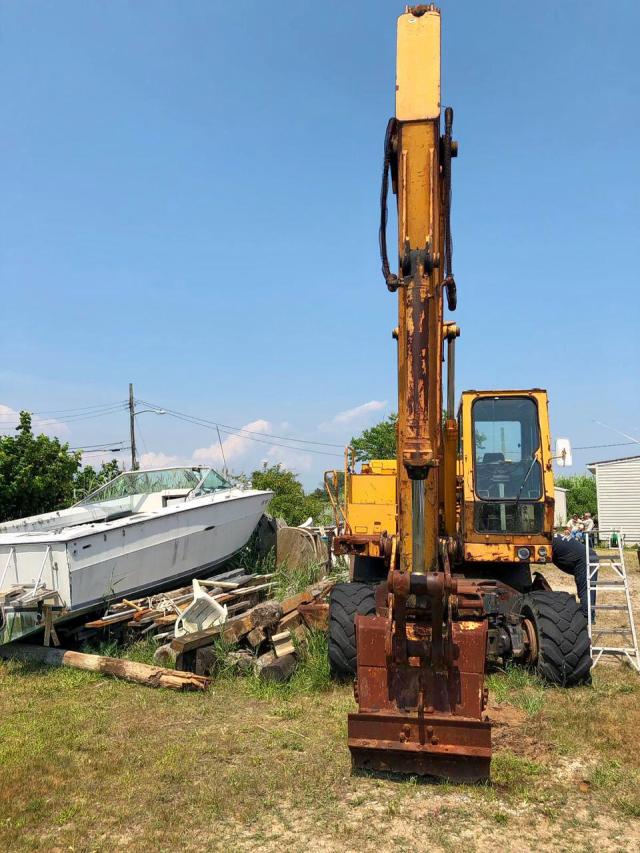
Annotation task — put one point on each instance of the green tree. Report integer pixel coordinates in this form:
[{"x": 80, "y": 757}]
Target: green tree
[
  {"x": 377, "y": 442},
  {"x": 36, "y": 473},
  {"x": 87, "y": 480},
  {"x": 581, "y": 493},
  {"x": 289, "y": 500}
]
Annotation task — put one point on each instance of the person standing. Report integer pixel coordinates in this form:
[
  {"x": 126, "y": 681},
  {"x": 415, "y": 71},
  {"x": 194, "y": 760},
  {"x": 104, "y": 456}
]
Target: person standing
[{"x": 570, "y": 556}]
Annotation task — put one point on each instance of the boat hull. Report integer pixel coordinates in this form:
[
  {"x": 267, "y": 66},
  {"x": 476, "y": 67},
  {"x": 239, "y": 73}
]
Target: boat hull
[{"x": 96, "y": 562}]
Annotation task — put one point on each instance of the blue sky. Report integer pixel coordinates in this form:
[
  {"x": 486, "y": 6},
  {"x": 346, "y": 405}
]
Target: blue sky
[{"x": 189, "y": 202}]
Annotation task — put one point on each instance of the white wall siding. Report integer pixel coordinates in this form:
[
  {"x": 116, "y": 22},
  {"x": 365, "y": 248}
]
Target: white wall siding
[{"x": 618, "y": 487}]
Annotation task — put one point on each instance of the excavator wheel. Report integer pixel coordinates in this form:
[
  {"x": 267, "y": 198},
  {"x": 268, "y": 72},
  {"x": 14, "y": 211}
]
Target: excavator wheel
[
  {"x": 559, "y": 646},
  {"x": 346, "y": 600}
]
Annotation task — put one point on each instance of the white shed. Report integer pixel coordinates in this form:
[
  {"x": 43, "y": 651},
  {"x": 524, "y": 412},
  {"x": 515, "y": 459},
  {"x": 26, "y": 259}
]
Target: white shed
[
  {"x": 618, "y": 489},
  {"x": 560, "y": 512}
]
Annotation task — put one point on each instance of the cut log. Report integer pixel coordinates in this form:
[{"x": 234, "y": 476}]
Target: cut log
[
  {"x": 242, "y": 661},
  {"x": 277, "y": 669},
  {"x": 164, "y": 655},
  {"x": 141, "y": 673},
  {"x": 210, "y": 662}
]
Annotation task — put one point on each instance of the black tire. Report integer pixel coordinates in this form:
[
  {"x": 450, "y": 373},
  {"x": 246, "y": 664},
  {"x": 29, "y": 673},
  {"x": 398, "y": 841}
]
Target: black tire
[
  {"x": 564, "y": 648},
  {"x": 346, "y": 600}
]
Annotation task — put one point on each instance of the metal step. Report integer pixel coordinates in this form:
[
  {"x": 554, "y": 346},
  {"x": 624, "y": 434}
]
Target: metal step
[
  {"x": 618, "y": 631},
  {"x": 616, "y": 650},
  {"x": 597, "y": 606}
]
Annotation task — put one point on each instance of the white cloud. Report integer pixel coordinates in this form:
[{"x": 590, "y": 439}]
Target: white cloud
[
  {"x": 351, "y": 416},
  {"x": 10, "y": 418},
  {"x": 292, "y": 460},
  {"x": 158, "y": 460},
  {"x": 235, "y": 446}
]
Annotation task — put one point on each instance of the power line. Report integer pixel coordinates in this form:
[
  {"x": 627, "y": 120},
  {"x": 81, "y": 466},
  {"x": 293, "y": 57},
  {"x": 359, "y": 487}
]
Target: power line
[
  {"x": 598, "y": 446},
  {"x": 71, "y": 413},
  {"x": 102, "y": 444},
  {"x": 242, "y": 430},
  {"x": 104, "y": 450},
  {"x": 81, "y": 408},
  {"x": 270, "y": 443},
  {"x": 70, "y": 419}
]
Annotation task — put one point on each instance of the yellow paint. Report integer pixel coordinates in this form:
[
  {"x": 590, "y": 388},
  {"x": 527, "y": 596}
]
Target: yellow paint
[
  {"x": 418, "y": 67},
  {"x": 419, "y": 194},
  {"x": 371, "y": 498},
  {"x": 501, "y": 552}
]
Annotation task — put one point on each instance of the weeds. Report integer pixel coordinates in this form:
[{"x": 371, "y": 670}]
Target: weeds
[
  {"x": 253, "y": 561},
  {"x": 606, "y": 774},
  {"x": 519, "y": 687},
  {"x": 512, "y": 771},
  {"x": 290, "y": 581},
  {"x": 311, "y": 675},
  {"x": 140, "y": 651}
]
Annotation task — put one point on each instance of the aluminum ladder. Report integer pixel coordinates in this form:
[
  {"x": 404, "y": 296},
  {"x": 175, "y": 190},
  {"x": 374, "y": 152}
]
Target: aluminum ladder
[{"x": 615, "y": 582}]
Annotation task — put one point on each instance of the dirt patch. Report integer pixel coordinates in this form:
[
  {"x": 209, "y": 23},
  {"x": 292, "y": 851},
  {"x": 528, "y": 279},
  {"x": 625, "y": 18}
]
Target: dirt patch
[{"x": 509, "y": 733}]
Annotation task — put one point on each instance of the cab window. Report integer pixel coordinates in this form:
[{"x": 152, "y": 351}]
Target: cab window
[{"x": 506, "y": 438}]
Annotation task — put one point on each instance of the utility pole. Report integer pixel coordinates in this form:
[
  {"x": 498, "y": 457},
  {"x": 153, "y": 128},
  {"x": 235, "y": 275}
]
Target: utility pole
[{"x": 132, "y": 428}]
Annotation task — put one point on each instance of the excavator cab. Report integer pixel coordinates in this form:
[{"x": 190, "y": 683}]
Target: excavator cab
[{"x": 505, "y": 477}]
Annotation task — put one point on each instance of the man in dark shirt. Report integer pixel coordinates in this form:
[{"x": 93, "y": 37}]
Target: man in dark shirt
[{"x": 569, "y": 555}]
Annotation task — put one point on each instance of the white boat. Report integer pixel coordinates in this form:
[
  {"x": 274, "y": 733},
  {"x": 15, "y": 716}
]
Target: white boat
[{"x": 141, "y": 531}]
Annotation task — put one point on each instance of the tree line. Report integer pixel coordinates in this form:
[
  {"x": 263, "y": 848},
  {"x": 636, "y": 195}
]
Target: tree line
[{"x": 40, "y": 474}]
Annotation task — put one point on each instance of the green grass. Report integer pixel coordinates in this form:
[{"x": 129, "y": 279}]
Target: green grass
[
  {"x": 93, "y": 763},
  {"x": 519, "y": 687},
  {"x": 140, "y": 651},
  {"x": 512, "y": 771},
  {"x": 290, "y": 581},
  {"x": 311, "y": 675}
]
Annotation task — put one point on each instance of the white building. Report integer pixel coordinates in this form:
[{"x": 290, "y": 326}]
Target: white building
[
  {"x": 618, "y": 488},
  {"x": 560, "y": 512}
]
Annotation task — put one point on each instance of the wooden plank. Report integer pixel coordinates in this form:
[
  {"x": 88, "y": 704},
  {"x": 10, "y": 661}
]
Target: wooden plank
[
  {"x": 289, "y": 621},
  {"x": 282, "y": 644},
  {"x": 309, "y": 595},
  {"x": 315, "y": 615},
  {"x": 115, "y": 620},
  {"x": 256, "y": 637},
  {"x": 292, "y": 603}
]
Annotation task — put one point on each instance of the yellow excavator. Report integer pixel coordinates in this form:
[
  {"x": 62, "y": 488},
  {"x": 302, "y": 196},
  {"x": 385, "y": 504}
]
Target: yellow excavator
[{"x": 441, "y": 540}]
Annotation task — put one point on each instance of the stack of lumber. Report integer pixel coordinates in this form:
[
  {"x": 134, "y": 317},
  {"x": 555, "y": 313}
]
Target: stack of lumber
[
  {"x": 259, "y": 634},
  {"x": 265, "y": 635},
  {"x": 155, "y": 616}
]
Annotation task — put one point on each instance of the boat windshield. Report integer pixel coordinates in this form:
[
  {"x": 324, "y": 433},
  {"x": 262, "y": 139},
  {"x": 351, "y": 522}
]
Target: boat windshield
[
  {"x": 148, "y": 482},
  {"x": 212, "y": 482}
]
